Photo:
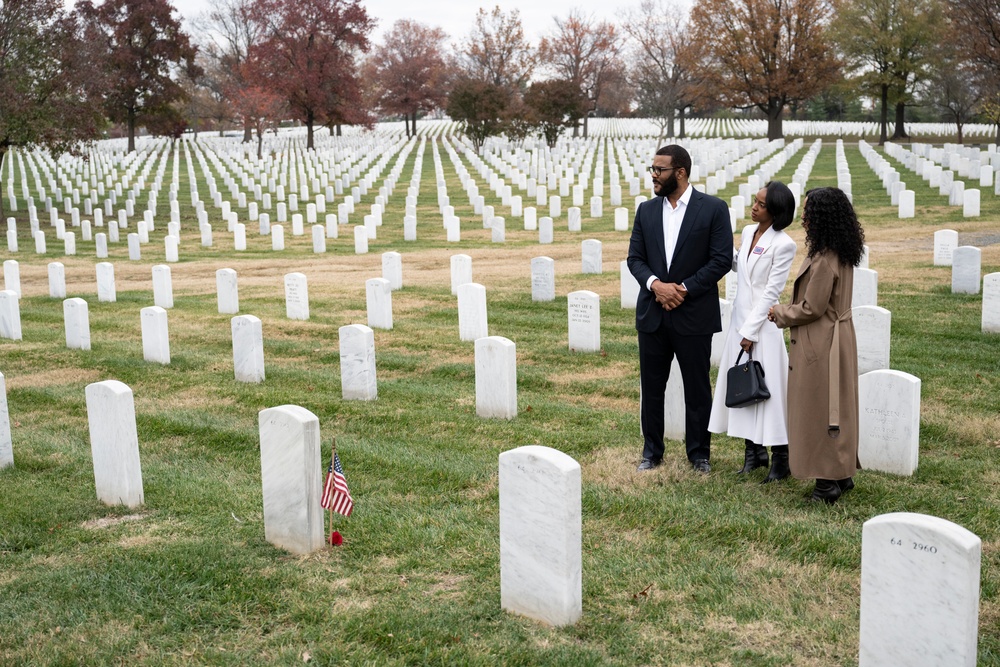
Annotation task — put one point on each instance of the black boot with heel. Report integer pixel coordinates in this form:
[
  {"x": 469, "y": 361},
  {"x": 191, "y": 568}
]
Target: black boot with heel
[
  {"x": 754, "y": 456},
  {"x": 779, "y": 464}
]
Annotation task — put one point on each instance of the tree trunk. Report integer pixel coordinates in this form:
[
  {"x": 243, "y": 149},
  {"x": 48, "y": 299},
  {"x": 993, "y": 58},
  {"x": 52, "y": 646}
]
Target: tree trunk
[
  {"x": 670, "y": 124},
  {"x": 247, "y": 131},
  {"x": 260, "y": 144},
  {"x": 998, "y": 133},
  {"x": 309, "y": 130},
  {"x": 683, "y": 118},
  {"x": 959, "y": 126},
  {"x": 900, "y": 130},
  {"x": 131, "y": 130},
  {"x": 883, "y": 115},
  {"x": 774, "y": 126},
  {"x": 340, "y": 130},
  {"x": 586, "y": 126},
  {"x": 3, "y": 160}
]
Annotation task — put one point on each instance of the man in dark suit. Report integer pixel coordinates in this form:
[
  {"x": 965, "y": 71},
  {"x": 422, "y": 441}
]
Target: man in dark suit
[{"x": 681, "y": 246}]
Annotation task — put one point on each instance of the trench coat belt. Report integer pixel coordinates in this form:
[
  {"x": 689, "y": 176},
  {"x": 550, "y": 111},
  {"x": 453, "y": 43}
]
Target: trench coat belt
[{"x": 835, "y": 370}]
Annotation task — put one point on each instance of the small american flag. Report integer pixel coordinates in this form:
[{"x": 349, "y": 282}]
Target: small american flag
[{"x": 336, "y": 496}]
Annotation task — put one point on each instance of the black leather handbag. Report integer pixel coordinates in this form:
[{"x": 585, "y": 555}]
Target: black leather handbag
[{"x": 745, "y": 383}]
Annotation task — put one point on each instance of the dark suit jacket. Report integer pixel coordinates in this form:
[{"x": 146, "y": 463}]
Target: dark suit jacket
[{"x": 702, "y": 256}]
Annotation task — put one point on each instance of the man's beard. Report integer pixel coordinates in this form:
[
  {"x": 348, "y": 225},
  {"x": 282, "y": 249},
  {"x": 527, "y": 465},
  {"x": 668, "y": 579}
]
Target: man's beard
[{"x": 669, "y": 186}]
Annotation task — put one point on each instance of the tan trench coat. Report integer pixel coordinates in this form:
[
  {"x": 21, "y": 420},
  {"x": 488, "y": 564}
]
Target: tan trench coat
[{"x": 822, "y": 371}]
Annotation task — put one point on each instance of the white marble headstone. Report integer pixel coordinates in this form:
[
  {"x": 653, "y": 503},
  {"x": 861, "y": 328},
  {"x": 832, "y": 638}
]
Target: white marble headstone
[
  {"x": 591, "y": 256},
  {"x": 392, "y": 269},
  {"x": 12, "y": 276},
  {"x": 57, "y": 280},
  {"x": 291, "y": 475},
  {"x": 461, "y": 271},
  {"x": 10, "y": 315},
  {"x": 629, "y": 286},
  {"x": 872, "y": 326},
  {"x": 155, "y": 337},
  {"x": 991, "y": 303},
  {"x": 584, "y": 309},
  {"x": 919, "y": 592},
  {"x": 227, "y": 291},
  {"x": 114, "y": 443},
  {"x": 76, "y": 320},
  {"x": 719, "y": 337},
  {"x": 248, "y": 348},
  {"x": 296, "y": 296},
  {"x": 496, "y": 377},
  {"x": 163, "y": 287},
  {"x": 889, "y": 421},
  {"x": 543, "y": 279},
  {"x": 378, "y": 294},
  {"x": 6, "y": 443},
  {"x": 545, "y": 230},
  {"x": 472, "y": 314},
  {"x": 965, "y": 270},
  {"x": 541, "y": 567},
  {"x": 357, "y": 363},
  {"x": 106, "y": 292},
  {"x": 865, "y": 288}
]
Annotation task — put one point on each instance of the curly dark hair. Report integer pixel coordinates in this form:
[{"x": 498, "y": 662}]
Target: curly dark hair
[{"x": 832, "y": 225}]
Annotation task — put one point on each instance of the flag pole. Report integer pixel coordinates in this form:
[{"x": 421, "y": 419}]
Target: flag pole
[{"x": 333, "y": 455}]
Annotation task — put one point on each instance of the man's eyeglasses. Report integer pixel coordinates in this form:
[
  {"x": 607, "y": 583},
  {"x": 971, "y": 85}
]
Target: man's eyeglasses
[{"x": 656, "y": 171}]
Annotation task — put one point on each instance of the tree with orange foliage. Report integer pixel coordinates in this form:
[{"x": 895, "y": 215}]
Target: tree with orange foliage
[
  {"x": 763, "y": 53},
  {"x": 583, "y": 51},
  {"x": 409, "y": 72}
]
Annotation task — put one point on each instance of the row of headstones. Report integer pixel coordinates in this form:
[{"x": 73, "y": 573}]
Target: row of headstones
[{"x": 943, "y": 180}]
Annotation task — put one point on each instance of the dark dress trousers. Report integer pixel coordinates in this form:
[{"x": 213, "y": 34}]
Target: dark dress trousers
[{"x": 703, "y": 254}]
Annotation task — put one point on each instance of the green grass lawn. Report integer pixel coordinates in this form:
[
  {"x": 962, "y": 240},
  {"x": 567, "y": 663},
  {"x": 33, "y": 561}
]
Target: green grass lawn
[{"x": 678, "y": 568}]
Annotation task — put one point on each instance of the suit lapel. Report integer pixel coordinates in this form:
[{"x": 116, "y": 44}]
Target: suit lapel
[
  {"x": 690, "y": 215},
  {"x": 764, "y": 243},
  {"x": 657, "y": 231}
]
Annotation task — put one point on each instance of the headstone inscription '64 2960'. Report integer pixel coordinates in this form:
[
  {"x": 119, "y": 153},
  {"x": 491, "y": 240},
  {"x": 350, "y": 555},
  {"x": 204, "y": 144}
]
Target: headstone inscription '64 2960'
[
  {"x": 357, "y": 363},
  {"x": 991, "y": 303},
  {"x": 291, "y": 476},
  {"x": 248, "y": 348},
  {"x": 919, "y": 592},
  {"x": 496, "y": 378},
  {"x": 872, "y": 325},
  {"x": 114, "y": 443},
  {"x": 889, "y": 421},
  {"x": 6, "y": 442},
  {"x": 541, "y": 568},
  {"x": 584, "y": 309}
]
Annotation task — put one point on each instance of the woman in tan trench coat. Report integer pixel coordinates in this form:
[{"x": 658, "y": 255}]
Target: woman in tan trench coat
[{"x": 823, "y": 355}]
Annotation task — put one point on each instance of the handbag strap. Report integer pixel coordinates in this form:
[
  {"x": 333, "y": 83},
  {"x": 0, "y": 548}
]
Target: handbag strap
[{"x": 740, "y": 356}]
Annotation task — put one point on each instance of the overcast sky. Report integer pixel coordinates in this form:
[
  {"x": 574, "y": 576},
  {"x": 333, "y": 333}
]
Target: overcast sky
[{"x": 456, "y": 17}]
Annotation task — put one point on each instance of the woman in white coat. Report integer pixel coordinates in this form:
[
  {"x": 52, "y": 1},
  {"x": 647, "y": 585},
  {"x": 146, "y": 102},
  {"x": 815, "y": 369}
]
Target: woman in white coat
[{"x": 762, "y": 264}]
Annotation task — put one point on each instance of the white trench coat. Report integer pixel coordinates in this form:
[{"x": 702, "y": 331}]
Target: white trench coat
[{"x": 761, "y": 276}]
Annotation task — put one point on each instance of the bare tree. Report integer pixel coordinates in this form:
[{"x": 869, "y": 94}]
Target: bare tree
[{"x": 496, "y": 51}]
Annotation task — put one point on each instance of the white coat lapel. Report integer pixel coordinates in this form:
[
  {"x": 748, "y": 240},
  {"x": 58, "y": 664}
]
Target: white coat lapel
[{"x": 762, "y": 248}]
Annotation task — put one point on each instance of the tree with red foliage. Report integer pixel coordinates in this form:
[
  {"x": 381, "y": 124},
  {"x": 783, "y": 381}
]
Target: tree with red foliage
[
  {"x": 409, "y": 71},
  {"x": 308, "y": 55},
  {"x": 259, "y": 108},
  {"x": 143, "y": 44}
]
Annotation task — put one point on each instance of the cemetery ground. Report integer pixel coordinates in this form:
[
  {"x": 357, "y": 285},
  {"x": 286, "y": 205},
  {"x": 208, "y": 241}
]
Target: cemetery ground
[{"x": 678, "y": 568}]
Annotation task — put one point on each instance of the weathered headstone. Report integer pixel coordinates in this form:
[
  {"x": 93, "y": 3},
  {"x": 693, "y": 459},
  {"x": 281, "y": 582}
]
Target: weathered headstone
[
  {"x": 227, "y": 291},
  {"x": 291, "y": 476},
  {"x": 541, "y": 567},
  {"x": 889, "y": 421},
  {"x": 865, "y": 288},
  {"x": 496, "y": 378},
  {"x": 991, "y": 303},
  {"x": 106, "y": 292},
  {"x": 965, "y": 270},
  {"x": 472, "y": 318},
  {"x": 591, "y": 256},
  {"x": 12, "y": 276},
  {"x": 545, "y": 230},
  {"x": 378, "y": 294},
  {"x": 461, "y": 271},
  {"x": 360, "y": 240},
  {"x": 296, "y": 296},
  {"x": 248, "y": 348},
  {"x": 163, "y": 287},
  {"x": 945, "y": 242},
  {"x": 357, "y": 363},
  {"x": 919, "y": 592},
  {"x": 76, "y": 320},
  {"x": 719, "y": 337},
  {"x": 872, "y": 326},
  {"x": 10, "y": 315},
  {"x": 155, "y": 336},
  {"x": 392, "y": 269},
  {"x": 629, "y": 286},
  {"x": 114, "y": 443},
  {"x": 6, "y": 442},
  {"x": 543, "y": 279},
  {"x": 57, "y": 280},
  {"x": 584, "y": 309}
]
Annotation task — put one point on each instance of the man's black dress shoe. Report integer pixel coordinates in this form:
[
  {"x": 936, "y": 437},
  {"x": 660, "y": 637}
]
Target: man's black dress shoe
[
  {"x": 648, "y": 464},
  {"x": 702, "y": 466}
]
